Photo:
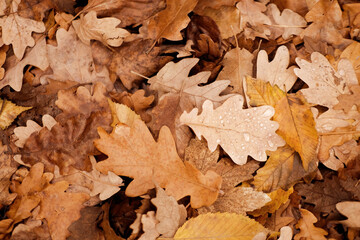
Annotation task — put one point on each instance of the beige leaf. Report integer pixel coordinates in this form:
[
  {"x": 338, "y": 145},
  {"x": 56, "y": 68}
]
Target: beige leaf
[
  {"x": 149, "y": 226},
  {"x": 325, "y": 83},
  {"x": 240, "y": 132},
  {"x": 237, "y": 64},
  {"x": 72, "y": 60},
  {"x": 276, "y": 72},
  {"x": 307, "y": 228},
  {"x": 352, "y": 211},
  {"x": 238, "y": 200},
  {"x": 23, "y": 133},
  {"x": 289, "y": 22},
  {"x": 169, "y": 213},
  {"x": 17, "y": 30},
  {"x": 36, "y": 57},
  {"x": 89, "y": 27},
  {"x": 122, "y": 114}
]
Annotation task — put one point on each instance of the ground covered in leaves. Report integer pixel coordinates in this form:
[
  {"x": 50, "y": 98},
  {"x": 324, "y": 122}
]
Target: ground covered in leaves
[{"x": 179, "y": 119}]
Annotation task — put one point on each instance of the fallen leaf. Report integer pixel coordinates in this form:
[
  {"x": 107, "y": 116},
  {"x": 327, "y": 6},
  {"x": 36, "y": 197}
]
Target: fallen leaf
[
  {"x": 307, "y": 228},
  {"x": 32, "y": 229},
  {"x": 228, "y": 126},
  {"x": 149, "y": 226},
  {"x": 17, "y": 30},
  {"x": 169, "y": 22},
  {"x": 7, "y": 168},
  {"x": 351, "y": 53},
  {"x": 292, "y": 112},
  {"x": 347, "y": 101},
  {"x": 169, "y": 213},
  {"x": 276, "y": 72},
  {"x": 325, "y": 83},
  {"x": 128, "y": 148},
  {"x": 72, "y": 60},
  {"x": 237, "y": 64},
  {"x": 9, "y": 111},
  {"x": 352, "y": 211},
  {"x": 37, "y": 57},
  {"x": 220, "y": 225},
  {"x": 283, "y": 216},
  {"x": 122, "y": 114},
  {"x": 60, "y": 208},
  {"x": 288, "y": 22},
  {"x": 89, "y": 27}
]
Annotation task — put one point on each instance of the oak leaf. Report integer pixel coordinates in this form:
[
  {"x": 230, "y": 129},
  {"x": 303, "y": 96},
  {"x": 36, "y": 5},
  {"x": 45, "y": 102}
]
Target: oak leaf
[
  {"x": 292, "y": 112},
  {"x": 287, "y": 22},
  {"x": 17, "y": 30},
  {"x": 203, "y": 4},
  {"x": 128, "y": 151},
  {"x": 89, "y": 27},
  {"x": 307, "y": 228},
  {"x": 60, "y": 208},
  {"x": 276, "y": 72},
  {"x": 37, "y": 57},
  {"x": 72, "y": 60},
  {"x": 325, "y": 83},
  {"x": 169, "y": 213},
  {"x": 9, "y": 111},
  {"x": 149, "y": 222},
  {"x": 237, "y": 64},
  {"x": 7, "y": 168},
  {"x": 351, "y": 53},
  {"x": 352, "y": 211},
  {"x": 229, "y": 125},
  {"x": 122, "y": 114},
  {"x": 220, "y": 225},
  {"x": 347, "y": 101}
]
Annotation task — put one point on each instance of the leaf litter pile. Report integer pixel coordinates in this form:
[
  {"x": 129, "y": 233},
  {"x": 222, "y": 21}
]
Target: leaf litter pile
[{"x": 180, "y": 119}]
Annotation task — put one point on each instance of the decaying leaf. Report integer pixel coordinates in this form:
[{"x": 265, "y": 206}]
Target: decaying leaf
[
  {"x": 89, "y": 27},
  {"x": 276, "y": 72},
  {"x": 220, "y": 225},
  {"x": 307, "y": 228},
  {"x": 229, "y": 126},
  {"x": 133, "y": 152},
  {"x": 7, "y": 168}
]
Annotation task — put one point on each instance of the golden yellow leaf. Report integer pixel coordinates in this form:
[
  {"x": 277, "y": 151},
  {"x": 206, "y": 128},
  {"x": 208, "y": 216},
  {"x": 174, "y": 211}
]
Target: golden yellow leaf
[
  {"x": 220, "y": 226},
  {"x": 9, "y": 111},
  {"x": 122, "y": 113},
  {"x": 293, "y": 113},
  {"x": 307, "y": 229},
  {"x": 278, "y": 197}
]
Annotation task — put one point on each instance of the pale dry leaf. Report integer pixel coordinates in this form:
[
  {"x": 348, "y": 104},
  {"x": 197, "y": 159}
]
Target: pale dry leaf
[
  {"x": 169, "y": 213},
  {"x": 89, "y": 27},
  {"x": 173, "y": 78},
  {"x": 220, "y": 226},
  {"x": 36, "y": 57},
  {"x": 238, "y": 200},
  {"x": 72, "y": 60},
  {"x": 325, "y": 83},
  {"x": 288, "y": 22},
  {"x": 122, "y": 114},
  {"x": 237, "y": 64},
  {"x": 17, "y": 30},
  {"x": 252, "y": 15},
  {"x": 63, "y": 19},
  {"x": 229, "y": 126},
  {"x": 276, "y": 72},
  {"x": 23, "y": 133},
  {"x": 286, "y": 233},
  {"x": 342, "y": 155},
  {"x": 352, "y": 211},
  {"x": 149, "y": 226}
]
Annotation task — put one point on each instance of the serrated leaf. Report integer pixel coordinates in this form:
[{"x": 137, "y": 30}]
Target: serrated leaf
[
  {"x": 229, "y": 126},
  {"x": 9, "y": 111}
]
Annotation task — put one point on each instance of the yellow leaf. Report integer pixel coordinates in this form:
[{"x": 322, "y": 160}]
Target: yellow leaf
[
  {"x": 278, "y": 197},
  {"x": 9, "y": 112},
  {"x": 292, "y": 112},
  {"x": 220, "y": 226},
  {"x": 282, "y": 170},
  {"x": 307, "y": 229},
  {"x": 122, "y": 113}
]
